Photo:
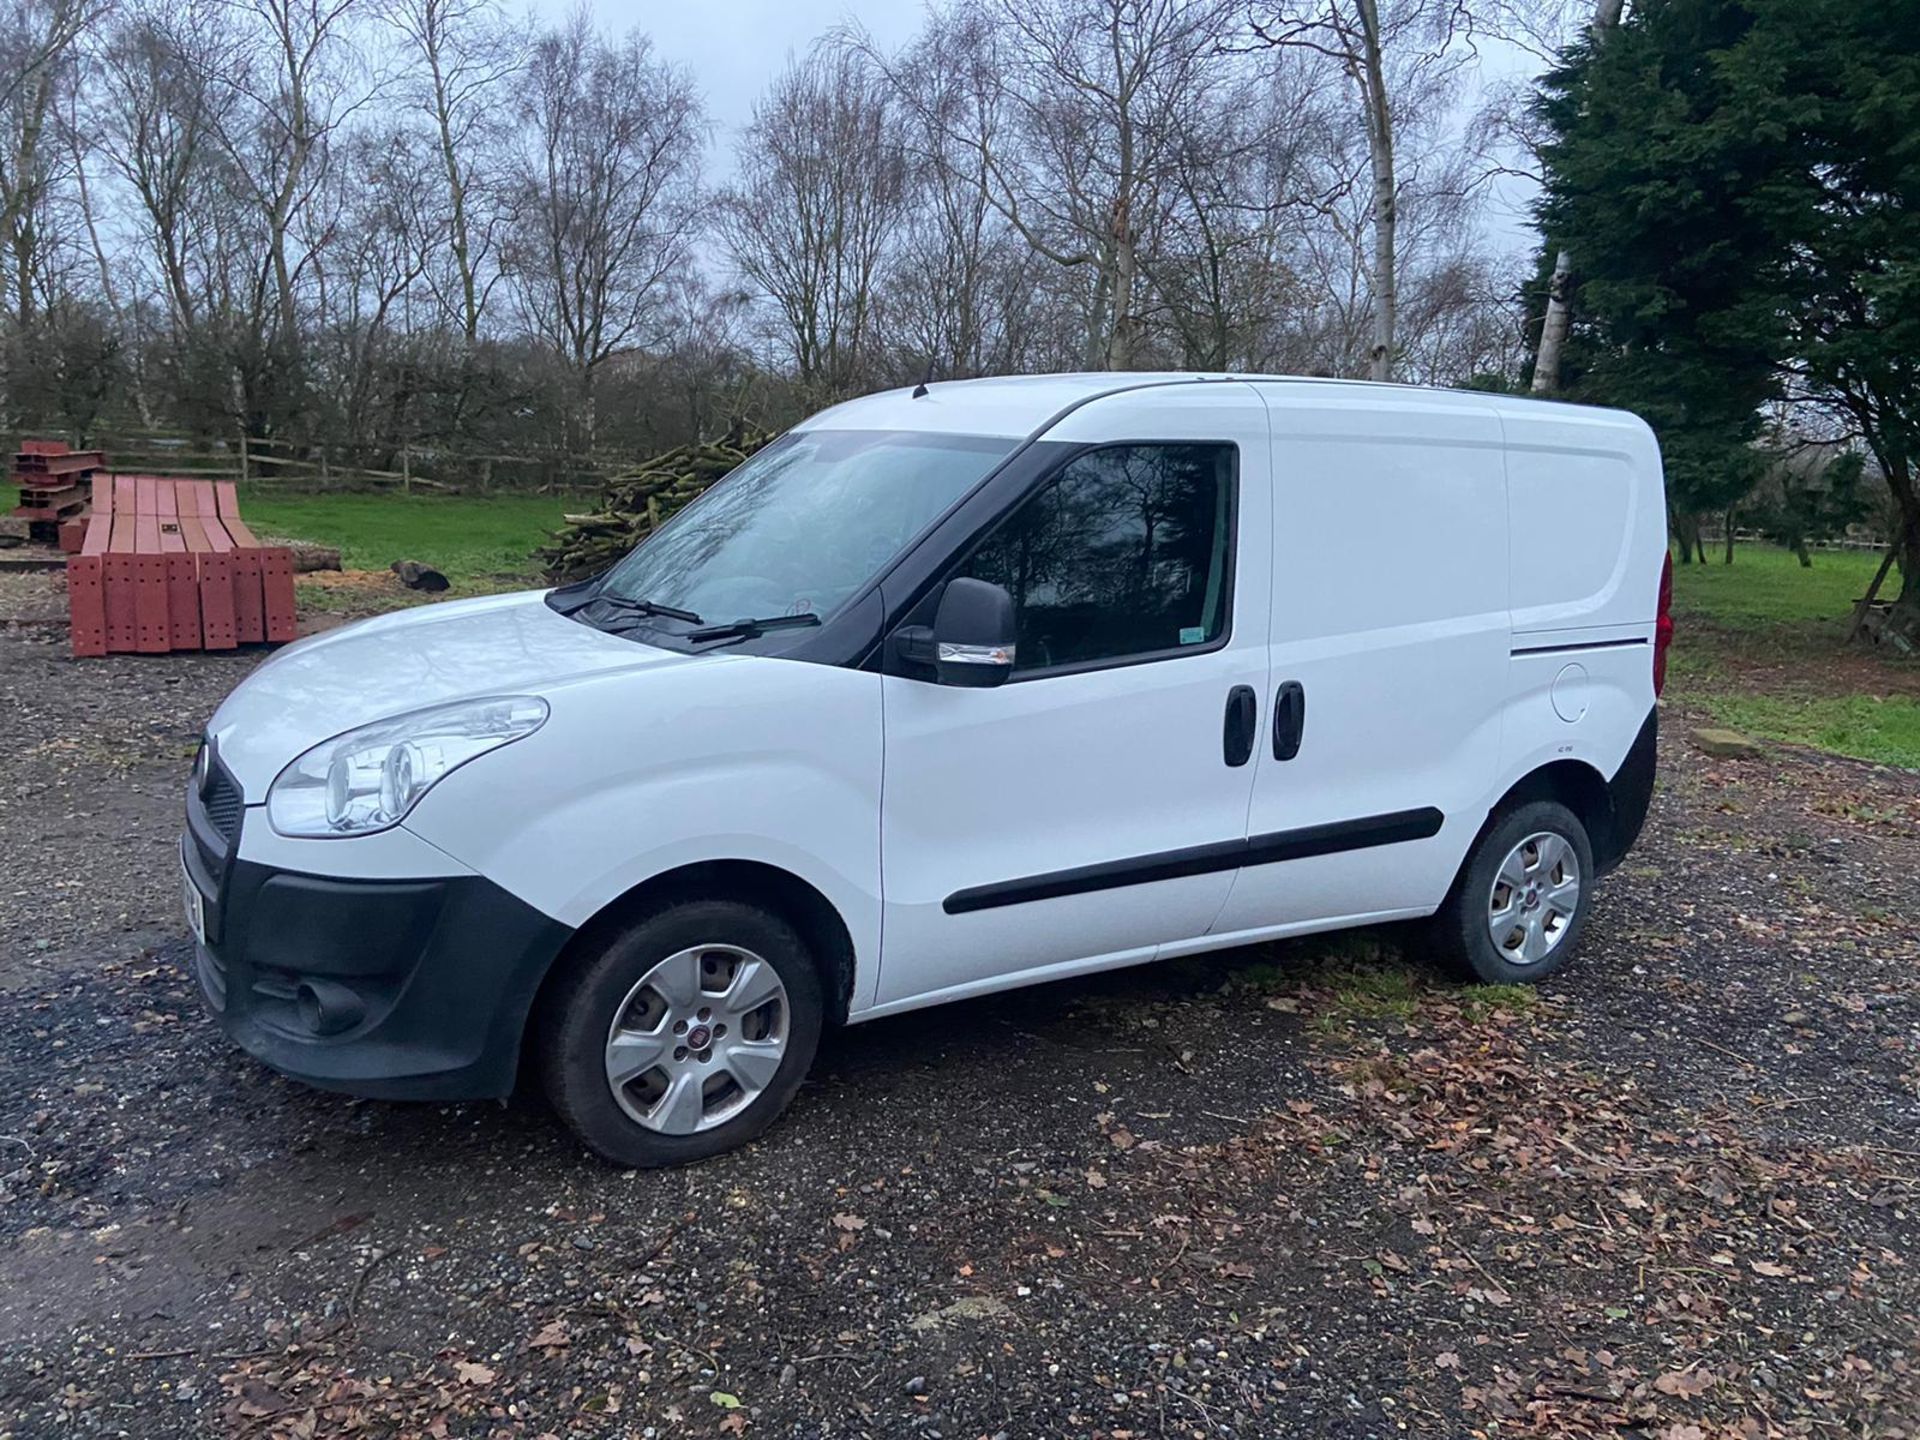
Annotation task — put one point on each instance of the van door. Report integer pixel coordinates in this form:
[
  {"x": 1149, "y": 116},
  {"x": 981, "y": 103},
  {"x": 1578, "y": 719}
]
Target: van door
[
  {"x": 1389, "y": 649},
  {"x": 1090, "y": 808}
]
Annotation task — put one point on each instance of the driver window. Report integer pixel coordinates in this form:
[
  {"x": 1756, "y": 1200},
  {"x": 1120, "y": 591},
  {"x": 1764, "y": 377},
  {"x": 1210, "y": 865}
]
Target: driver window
[{"x": 1126, "y": 553}]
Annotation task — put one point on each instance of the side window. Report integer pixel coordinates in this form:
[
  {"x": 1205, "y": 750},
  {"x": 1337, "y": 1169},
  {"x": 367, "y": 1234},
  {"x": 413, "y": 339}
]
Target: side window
[{"x": 1126, "y": 552}]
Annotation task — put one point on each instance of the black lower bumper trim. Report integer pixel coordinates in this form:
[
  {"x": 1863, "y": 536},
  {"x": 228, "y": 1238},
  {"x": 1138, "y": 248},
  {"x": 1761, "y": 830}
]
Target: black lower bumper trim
[
  {"x": 396, "y": 989},
  {"x": 1631, "y": 793}
]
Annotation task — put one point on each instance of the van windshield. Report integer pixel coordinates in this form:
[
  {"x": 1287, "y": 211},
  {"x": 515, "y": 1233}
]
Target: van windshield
[{"x": 801, "y": 526}]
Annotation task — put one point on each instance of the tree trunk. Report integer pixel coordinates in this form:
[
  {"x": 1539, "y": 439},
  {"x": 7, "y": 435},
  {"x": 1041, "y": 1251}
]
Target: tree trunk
[
  {"x": 1120, "y": 336},
  {"x": 1730, "y": 519},
  {"x": 1553, "y": 330},
  {"x": 1686, "y": 529},
  {"x": 1904, "y": 619},
  {"x": 1380, "y": 150}
]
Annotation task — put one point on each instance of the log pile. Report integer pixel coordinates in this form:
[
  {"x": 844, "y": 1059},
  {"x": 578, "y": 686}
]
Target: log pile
[{"x": 634, "y": 505}]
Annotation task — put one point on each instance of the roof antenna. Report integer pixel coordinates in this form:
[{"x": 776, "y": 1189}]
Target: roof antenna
[{"x": 925, "y": 380}]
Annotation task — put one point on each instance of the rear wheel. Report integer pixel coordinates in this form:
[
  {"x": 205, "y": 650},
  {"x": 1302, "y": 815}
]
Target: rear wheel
[
  {"x": 684, "y": 1035},
  {"x": 1517, "y": 911}
]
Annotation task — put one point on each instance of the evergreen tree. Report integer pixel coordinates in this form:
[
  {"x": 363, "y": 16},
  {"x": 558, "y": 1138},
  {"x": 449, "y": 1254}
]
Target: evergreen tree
[
  {"x": 1650, "y": 172},
  {"x": 1740, "y": 180}
]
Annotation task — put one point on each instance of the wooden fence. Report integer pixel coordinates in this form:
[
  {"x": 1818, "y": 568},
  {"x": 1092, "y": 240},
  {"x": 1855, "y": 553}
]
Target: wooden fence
[{"x": 297, "y": 466}]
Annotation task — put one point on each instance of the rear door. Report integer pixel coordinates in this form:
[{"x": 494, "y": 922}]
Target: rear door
[
  {"x": 1389, "y": 647},
  {"x": 1089, "y": 810}
]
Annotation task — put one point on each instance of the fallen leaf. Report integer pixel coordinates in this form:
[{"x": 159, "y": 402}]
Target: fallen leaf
[
  {"x": 552, "y": 1336},
  {"x": 735, "y": 1424},
  {"x": 1768, "y": 1269},
  {"x": 468, "y": 1372},
  {"x": 1686, "y": 1384},
  {"x": 1095, "y": 1180},
  {"x": 849, "y": 1223},
  {"x": 1447, "y": 1360},
  {"x": 258, "y": 1399},
  {"x": 724, "y": 1400},
  {"x": 1121, "y": 1137}
]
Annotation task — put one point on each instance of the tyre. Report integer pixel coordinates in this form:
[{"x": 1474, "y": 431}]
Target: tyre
[
  {"x": 685, "y": 1034},
  {"x": 1517, "y": 910}
]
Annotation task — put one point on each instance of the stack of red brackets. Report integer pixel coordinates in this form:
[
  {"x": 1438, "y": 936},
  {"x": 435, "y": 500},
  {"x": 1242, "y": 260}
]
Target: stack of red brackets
[
  {"x": 169, "y": 565},
  {"x": 55, "y": 485}
]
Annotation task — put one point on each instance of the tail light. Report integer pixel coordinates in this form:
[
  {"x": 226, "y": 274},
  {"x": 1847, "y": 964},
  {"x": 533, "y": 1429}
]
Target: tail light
[{"x": 1663, "y": 626}]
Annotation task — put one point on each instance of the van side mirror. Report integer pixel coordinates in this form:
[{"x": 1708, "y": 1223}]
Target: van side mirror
[{"x": 971, "y": 642}]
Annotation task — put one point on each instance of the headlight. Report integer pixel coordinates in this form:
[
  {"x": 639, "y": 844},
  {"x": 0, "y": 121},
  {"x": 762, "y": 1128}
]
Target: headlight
[{"x": 368, "y": 779}]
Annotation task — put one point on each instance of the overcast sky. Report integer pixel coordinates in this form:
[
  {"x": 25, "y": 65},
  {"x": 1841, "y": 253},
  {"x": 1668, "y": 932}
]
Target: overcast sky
[{"x": 733, "y": 48}]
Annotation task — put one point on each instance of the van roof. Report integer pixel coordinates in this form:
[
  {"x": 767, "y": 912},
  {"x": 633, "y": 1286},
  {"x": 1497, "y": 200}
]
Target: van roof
[{"x": 1017, "y": 406}]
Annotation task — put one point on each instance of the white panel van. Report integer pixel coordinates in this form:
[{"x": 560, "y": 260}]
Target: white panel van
[{"x": 945, "y": 691}]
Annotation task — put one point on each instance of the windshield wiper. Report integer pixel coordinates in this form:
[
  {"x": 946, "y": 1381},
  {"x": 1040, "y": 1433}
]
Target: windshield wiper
[
  {"x": 747, "y": 629},
  {"x": 645, "y": 607}
]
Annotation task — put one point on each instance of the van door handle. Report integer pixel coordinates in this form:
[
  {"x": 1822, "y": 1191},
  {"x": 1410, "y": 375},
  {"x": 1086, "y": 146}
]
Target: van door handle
[
  {"x": 1289, "y": 719},
  {"x": 1236, "y": 738}
]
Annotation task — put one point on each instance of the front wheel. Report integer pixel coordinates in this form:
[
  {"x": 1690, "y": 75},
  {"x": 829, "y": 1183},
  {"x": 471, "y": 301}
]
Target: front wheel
[
  {"x": 1517, "y": 911},
  {"x": 684, "y": 1035}
]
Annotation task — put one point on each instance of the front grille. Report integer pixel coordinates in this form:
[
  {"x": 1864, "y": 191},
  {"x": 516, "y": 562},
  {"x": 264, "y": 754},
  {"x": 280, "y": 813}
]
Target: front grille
[{"x": 222, "y": 802}]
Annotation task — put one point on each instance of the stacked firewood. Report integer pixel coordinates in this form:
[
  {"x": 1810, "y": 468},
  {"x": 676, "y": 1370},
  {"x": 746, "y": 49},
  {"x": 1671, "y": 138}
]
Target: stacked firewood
[{"x": 634, "y": 505}]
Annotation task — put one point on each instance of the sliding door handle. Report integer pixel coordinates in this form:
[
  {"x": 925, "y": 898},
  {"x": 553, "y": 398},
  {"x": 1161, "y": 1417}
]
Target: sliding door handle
[
  {"x": 1242, "y": 724},
  {"x": 1289, "y": 719}
]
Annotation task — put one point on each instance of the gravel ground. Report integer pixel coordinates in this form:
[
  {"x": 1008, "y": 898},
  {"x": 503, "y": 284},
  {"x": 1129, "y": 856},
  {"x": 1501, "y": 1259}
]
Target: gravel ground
[{"x": 1301, "y": 1189}]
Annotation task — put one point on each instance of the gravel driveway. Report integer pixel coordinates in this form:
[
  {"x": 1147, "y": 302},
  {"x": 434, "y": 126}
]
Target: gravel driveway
[{"x": 1301, "y": 1189}]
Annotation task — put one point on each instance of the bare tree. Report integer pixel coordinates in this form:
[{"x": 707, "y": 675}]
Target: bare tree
[
  {"x": 964, "y": 293},
  {"x": 1379, "y": 52},
  {"x": 37, "y": 42},
  {"x": 1095, "y": 96},
  {"x": 296, "y": 69},
  {"x": 606, "y": 185},
  {"x": 1224, "y": 266},
  {"x": 465, "y": 53},
  {"x": 822, "y": 189},
  {"x": 381, "y": 190}
]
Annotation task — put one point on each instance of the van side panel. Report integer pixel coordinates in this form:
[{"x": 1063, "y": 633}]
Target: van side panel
[
  {"x": 1585, "y": 511},
  {"x": 1390, "y": 611},
  {"x": 1588, "y": 521}
]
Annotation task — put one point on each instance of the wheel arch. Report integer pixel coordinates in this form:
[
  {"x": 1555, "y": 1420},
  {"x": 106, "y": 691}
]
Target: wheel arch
[
  {"x": 799, "y": 903},
  {"x": 1575, "y": 784},
  {"x": 1578, "y": 786}
]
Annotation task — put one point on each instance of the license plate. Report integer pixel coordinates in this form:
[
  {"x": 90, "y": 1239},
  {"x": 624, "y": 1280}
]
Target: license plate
[{"x": 195, "y": 903}]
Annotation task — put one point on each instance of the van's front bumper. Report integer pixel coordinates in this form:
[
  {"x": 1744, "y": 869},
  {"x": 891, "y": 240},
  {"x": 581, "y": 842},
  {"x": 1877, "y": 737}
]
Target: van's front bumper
[{"x": 397, "y": 989}]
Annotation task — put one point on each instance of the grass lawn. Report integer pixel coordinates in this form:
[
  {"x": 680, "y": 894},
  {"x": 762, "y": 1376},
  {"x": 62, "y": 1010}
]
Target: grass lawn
[
  {"x": 479, "y": 542},
  {"x": 1760, "y": 646},
  {"x": 1767, "y": 585}
]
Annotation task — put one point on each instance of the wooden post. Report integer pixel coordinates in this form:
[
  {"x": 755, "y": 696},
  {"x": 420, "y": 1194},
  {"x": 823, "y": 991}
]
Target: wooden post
[
  {"x": 1873, "y": 593},
  {"x": 244, "y": 475}
]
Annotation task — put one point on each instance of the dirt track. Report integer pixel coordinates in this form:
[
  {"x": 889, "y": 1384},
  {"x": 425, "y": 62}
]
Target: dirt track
[{"x": 1296, "y": 1190}]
